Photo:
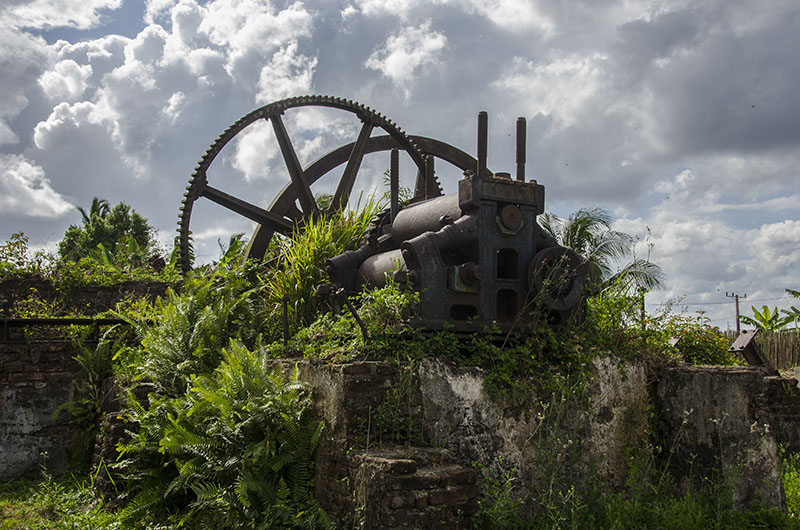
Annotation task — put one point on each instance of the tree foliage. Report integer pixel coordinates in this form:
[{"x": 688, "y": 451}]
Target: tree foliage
[
  {"x": 768, "y": 320},
  {"x": 106, "y": 232},
  {"x": 588, "y": 232}
]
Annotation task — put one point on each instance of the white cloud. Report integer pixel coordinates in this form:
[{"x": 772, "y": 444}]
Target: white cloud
[
  {"x": 511, "y": 15},
  {"x": 288, "y": 73},
  {"x": 255, "y": 149},
  {"x": 777, "y": 247},
  {"x": 400, "y": 8},
  {"x": 515, "y": 15},
  {"x": 147, "y": 48},
  {"x": 67, "y": 81},
  {"x": 26, "y": 192},
  {"x": 156, "y": 8},
  {"x": 23, "y": 58},
  {"x": 55, "y": 13},
  {"x": 251, "y": 32},
  {"x": 175, "y": 106},
  {"x": 562, "y": 87},
  {"x": 405, "y": 52},
  {"x": 61, "y": 123}
]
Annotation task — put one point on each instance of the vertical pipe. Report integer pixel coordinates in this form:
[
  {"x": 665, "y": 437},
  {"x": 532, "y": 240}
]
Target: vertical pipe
[
  {"x": 483, "y": 127},
  {"x": 394, "y": 183},
  {"x": 429, "y": 192},
  {"x": 521, "y": 140}
]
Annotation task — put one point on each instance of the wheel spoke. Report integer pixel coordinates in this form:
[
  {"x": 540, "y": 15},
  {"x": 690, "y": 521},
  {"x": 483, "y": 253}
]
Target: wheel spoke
[
  {"x": 345, "y": 187},
  {"x": 296, "y": 173},
  {"x": 254, "y": 213}
]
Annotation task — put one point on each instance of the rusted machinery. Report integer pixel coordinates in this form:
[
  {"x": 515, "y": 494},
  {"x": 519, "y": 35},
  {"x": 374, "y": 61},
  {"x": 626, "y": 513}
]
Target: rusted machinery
[{"x": 477, "y": 257}]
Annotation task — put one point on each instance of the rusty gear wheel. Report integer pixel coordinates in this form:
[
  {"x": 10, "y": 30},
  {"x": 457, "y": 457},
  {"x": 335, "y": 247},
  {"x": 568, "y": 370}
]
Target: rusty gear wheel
[{"x": 282, "y": 215}]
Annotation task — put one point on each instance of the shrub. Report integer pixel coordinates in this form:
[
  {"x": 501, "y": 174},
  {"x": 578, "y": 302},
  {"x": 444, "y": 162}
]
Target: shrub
[{"x": 235, "y": 451}]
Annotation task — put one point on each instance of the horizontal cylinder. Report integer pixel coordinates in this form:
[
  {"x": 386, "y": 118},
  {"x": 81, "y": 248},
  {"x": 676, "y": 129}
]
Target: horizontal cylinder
[
  {"x": 374, "y": 270},
  {"x": 427, "y": 216}
]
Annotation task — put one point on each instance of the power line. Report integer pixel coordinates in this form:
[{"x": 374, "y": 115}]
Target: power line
[{"x": 725, "y": 302}]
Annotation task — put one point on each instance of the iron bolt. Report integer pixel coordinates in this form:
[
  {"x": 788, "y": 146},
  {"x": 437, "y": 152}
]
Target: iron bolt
[{"x": 470, "y": 273}]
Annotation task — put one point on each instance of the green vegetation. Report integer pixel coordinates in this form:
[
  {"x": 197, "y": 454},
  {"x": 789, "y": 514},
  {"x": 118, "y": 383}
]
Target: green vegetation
[
  {"x": 588, "y": 232},
  {"x": 225, "y": 436},
  {"x": 119, "y": 235}
]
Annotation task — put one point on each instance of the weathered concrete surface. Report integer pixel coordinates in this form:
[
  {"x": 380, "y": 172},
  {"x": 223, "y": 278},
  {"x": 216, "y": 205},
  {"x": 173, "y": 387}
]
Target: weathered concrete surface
[
  {"x": 411, "y": 488},
  {"x": 713, "y": 418},
  {"x": 29, "y": 436},
  {"x": 781, "y": 399},
  {"x": 554, "y": 434},
  {"x": 617, "y": 415},
  {"x": 364, "y": 478},
  {"x": 35, "y": 379}
]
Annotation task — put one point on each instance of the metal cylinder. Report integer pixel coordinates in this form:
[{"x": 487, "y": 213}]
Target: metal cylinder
[
  {"x": 483, "y": 131},
  {"x": 394, "y": 183},
  {"x": 427, "y": 216},
  {"x": 374, "y": 270},
  {"x": 521, "y": 141},
  {"x": 419, "y": 250}
]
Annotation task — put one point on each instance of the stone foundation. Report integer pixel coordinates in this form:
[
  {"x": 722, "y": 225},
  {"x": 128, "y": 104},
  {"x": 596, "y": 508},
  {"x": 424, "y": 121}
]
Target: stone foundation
[{"x": 410, "y": 448}]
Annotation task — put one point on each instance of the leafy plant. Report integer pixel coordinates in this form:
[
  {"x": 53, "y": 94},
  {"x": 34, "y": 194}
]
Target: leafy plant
[
  {"x": 119, "y": 230},
  {"x": 235, "y": 451},
  {"x": 766, "y": 320},
  {"x": 299, "y": 263},
  {"x": 190, "y": 331},
  {"x": 16, "y": 259},
  {"x": 698, "y": 342},
  {"x": 85, "y": 408},
  {"x": 588, "y": 232}
]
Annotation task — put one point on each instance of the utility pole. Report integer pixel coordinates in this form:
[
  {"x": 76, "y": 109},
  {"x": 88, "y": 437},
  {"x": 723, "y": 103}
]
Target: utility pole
[{"x": 736, "y": 299}]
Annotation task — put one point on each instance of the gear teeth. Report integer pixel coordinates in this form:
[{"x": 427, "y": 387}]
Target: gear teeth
[{"x": 199, "y": 178}]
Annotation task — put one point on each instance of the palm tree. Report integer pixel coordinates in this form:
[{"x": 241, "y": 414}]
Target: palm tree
[
  {"x": 99, "y": 208},
  {"x": 588, "y": 232}
]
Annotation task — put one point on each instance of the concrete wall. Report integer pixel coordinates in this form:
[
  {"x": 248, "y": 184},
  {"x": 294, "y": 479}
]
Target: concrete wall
[
  {"x": 35, "y": 379},
  {"x": 705, "y": 418},
  {"x": 711, "y": 419},
  {"x": 37, "y": 371}
]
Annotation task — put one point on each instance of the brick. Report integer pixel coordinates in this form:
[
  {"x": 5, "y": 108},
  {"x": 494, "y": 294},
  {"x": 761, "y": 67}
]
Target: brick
[
  {"x": 468, "y": 507},
  {"x": 12, "y": 367},
  {"x": 414, "y": 482},
  {"x": 453, "y": 495},
  {"x": 421, "y": 502},
  {"x": 355, "y": 369},
  {"x": 460, "y": 476},
  {"x": 402, "y": 501},
  {"x": 412, "y": 518}
]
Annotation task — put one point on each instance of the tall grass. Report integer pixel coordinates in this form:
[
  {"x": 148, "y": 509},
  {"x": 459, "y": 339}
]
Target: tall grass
[{"x": 301, "y": 261}]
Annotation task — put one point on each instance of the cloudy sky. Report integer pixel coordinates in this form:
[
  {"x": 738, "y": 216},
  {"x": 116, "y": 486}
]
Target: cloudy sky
[{"x": 681, "y": 117}]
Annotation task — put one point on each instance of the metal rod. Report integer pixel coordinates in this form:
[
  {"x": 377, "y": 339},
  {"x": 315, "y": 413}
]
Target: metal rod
[
  {"x": 394, "y": 183},
  {"x": 9, "y": 323},
  {"x": 358, "y": 319},
  {"x": 429, "y": 193},
  {"x": 521, "y": 140},
  {"x": 483, "y": 128}
]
